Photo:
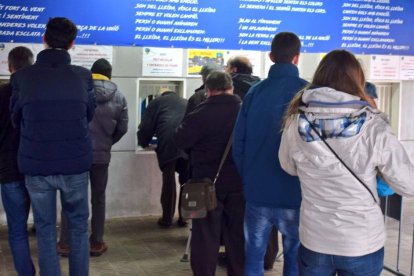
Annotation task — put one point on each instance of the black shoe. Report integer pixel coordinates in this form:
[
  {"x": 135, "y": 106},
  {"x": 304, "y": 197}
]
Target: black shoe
[
  {"x": 63, "y": 249},
  {"x": 163, "y": 224},
  {"x": 181, "y": 223}
]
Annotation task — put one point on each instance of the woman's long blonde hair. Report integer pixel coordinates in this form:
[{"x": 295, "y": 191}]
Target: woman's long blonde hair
[{"x": 339, "y": 70}]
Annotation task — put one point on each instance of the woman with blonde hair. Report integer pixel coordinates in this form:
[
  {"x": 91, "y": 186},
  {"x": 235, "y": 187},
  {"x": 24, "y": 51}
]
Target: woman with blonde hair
[{"x": 337, "y": 142}]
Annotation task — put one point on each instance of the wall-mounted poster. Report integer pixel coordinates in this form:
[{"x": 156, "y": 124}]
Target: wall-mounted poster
[
  {"x": 198, "y": 58},
  {"x": 384, "y": 67},
  {"x": 5, "y": 48},
  {"x": 81, "y": 55},
  {"x": 407, "y": 68},
  {"x": 86, "y": 55},
  {"x": 254, "y": 57},
  {"x": 162, "y": 62}
]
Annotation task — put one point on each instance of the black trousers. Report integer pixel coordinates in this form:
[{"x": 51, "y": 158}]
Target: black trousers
[
  {"x": 98, "y": 176},
  {"x": 168, "y": 190},
  {"x": 226, "y": 220}
]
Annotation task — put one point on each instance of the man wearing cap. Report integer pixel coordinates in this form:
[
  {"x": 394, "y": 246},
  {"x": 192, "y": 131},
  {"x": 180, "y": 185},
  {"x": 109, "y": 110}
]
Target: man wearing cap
[
  {"x": 107, "y": 127},
  {"x": 160, "y": 119},
  {"x": 200, "y": 93}
]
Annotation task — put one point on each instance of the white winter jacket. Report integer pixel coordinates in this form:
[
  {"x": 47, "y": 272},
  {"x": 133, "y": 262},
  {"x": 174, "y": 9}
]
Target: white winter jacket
[{"x": 338, "y": 215}]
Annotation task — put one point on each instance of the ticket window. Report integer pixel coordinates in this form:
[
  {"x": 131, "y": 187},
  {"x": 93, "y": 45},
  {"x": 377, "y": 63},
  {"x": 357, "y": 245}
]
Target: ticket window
[
  {"x": 388, "y": 102},
  {"x": 4, "y": 80},
  {"x": 150, "y": 89}
]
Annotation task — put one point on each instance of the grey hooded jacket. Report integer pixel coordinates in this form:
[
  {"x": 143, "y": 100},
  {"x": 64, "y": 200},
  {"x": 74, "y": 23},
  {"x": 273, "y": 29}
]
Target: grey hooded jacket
[
  {"x": 338, "y": 215},
  {"x": 110, "y": 122}
]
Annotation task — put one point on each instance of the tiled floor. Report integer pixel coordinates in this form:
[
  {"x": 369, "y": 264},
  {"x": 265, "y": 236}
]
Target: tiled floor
[{"x": 138, "y": 247}]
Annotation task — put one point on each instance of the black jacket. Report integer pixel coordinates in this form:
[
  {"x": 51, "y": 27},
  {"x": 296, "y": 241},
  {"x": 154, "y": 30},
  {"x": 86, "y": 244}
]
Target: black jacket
[
  {"x": 242, "y": 83},
  {"x": 162, "y": 116},
  {"x": 205, "y": 132},
  {"x": 52, "y": 103},
  {"x": 110, "y": 121},
  {"x": 197, "y": 98},
  {"x": 9, "y": 139}
]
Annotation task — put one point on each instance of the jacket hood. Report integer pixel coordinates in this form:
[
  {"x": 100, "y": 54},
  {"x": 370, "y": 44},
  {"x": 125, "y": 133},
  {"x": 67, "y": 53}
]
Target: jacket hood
[
  {"x": 104, "y": 90},
  {"x": 334, "y": 114},
  {"x": 325, "y": 100}
]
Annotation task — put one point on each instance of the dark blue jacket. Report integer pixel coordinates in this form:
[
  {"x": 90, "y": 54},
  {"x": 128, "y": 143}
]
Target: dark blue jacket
[
  {"x": 52, "y": 103},
  {"x": 257, "y": 138},
  {"x": 9, "y": 140}
]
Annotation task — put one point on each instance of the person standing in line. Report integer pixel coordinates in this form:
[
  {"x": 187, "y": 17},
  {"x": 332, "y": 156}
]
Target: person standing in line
[
  {"x": 52, "y": 103},
  {"x": 200, "y": 93},
  {"x": 206, "y": 145},
  {"x": 272, "y": 196},
  {"x": 337, "y": 142},
  {"x": 161, "y": 117},
  {"x": 16, "y": 201},
  {"x": 107, "y": 127},
  {"x": 241, "y": 70}
]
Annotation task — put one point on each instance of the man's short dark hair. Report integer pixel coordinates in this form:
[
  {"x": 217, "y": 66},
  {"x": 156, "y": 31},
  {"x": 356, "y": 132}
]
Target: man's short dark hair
[
  {"x": 285, "y": 46},
  {"x": 60, "y": 33},
  {"x": 242, "y": 64},
  {"x": 20, "y": 57},
  {"x": 219, "y": 81}
]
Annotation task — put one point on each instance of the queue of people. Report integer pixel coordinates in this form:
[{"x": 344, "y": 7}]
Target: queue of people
[{"x": 304, "y": 159}]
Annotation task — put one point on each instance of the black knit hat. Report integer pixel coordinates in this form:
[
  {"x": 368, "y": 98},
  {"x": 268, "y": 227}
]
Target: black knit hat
[{"x": 103, "y": 67}]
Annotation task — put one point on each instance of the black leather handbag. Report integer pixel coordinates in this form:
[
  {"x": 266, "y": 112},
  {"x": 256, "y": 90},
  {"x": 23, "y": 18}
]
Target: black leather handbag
[{"x": 198, "y": 196}]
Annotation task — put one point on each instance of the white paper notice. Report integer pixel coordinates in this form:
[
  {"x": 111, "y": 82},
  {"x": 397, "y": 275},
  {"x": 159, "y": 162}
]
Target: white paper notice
[
  {"x": 407, "y": 68},
  {"x": 384, "y": 68},
  {"x": 255, "y": 58},
  {"x": 162, "y": 62},
  {"x": 86, "y": 55},
  {"x": 5, "y": 48}
]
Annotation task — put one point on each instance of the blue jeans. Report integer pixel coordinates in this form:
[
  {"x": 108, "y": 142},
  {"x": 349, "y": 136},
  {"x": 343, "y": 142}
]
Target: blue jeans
[
  {"x": 258, "y": 222},
  {"x": 312, "y": 263},
  {"x": 74, "y": 199},
  {"x": 16, "y": 203}
]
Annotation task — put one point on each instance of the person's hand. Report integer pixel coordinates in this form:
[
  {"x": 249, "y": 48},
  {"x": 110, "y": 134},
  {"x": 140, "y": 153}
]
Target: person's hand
[{"x": 150, "y": 147}]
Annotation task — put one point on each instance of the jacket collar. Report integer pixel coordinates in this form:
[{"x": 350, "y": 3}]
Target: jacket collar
[
  {"x": 165, "y": 93},
  {"x": 224, "y": 98},
  {"x": 283, "y": 70},
  {"x": 99, "y": 77},
  {"x": 54, "y": 56}
]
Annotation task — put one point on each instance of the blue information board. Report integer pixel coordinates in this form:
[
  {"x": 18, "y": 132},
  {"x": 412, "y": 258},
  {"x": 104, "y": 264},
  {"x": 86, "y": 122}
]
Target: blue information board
[{"x": 362, "y": 26}]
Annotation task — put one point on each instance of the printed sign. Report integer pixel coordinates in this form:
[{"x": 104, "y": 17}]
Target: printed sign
[
  {"x": 162, "y": 62},
  {"x": 407, "y": 68},
  {"x": 384, "y": 68}
]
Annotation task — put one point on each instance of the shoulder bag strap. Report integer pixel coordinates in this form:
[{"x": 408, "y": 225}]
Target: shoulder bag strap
[
  {"x": 223, "y": 158},
  {"x": 337, "y": 156}
]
